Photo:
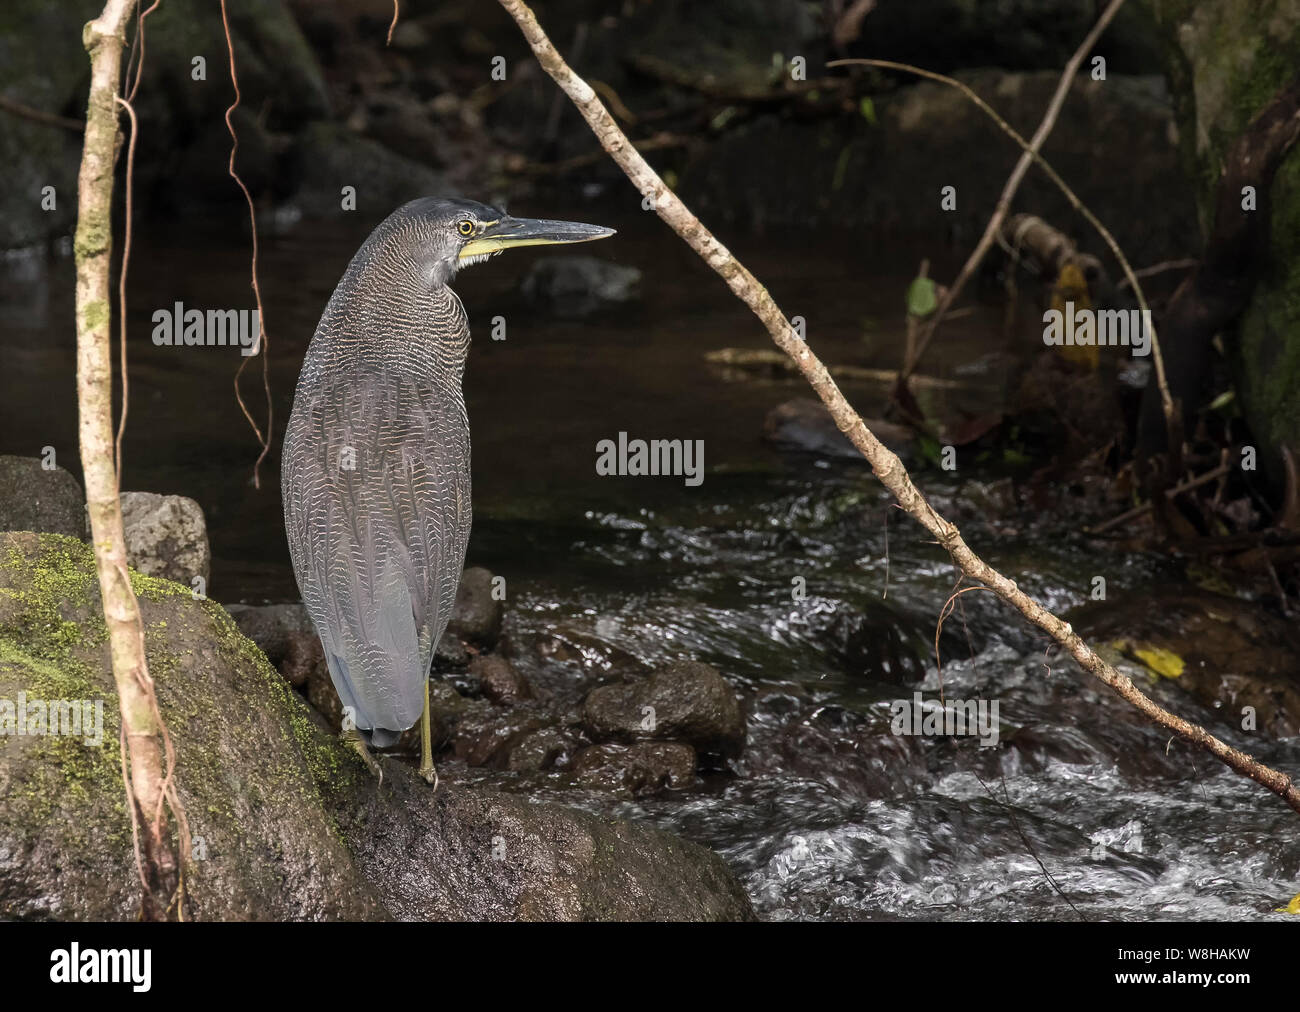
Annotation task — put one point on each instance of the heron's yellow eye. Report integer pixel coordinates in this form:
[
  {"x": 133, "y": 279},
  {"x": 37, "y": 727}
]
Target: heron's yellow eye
[{"x": 465, "y": 227}]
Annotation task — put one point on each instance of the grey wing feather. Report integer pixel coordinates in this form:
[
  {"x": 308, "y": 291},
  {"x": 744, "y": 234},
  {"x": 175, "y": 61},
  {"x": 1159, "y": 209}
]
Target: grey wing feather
[{"x": 377, "y": 509}]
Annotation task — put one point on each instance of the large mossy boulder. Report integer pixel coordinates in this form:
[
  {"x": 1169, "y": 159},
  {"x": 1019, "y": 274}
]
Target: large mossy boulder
[
  {"x": 1226, "y": 59},
  {"x": 286, "y": 821}
]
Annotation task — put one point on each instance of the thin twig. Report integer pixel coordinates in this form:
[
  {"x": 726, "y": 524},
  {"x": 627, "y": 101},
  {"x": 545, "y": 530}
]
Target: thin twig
[
  {"x": 1137, "y": 511},
  {"x": 1160, "y": 268},
  {"x": 37, "y": 116},
  {"x": 129, "y": 185},
  {"x": 264, "y": 440},
  {"x": 884, "y": 462}
]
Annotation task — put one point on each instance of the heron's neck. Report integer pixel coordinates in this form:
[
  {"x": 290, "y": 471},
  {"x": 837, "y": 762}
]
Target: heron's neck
[{"x": 387, "y": 315}]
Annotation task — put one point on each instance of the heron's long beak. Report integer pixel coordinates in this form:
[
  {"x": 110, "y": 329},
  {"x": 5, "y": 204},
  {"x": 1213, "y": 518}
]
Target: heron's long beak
[{"x": 510, "y": 232}]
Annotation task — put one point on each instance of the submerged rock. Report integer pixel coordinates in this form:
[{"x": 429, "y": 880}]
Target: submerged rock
[
  {"x": 646, "y": 767},
  {"x": 684, "y": 701},
  {"x": 167, "y": 536},
  {"x": 573, "y": 286},
  {"x": 35, "y": 499},
  {"x": 287, "y": 823}
]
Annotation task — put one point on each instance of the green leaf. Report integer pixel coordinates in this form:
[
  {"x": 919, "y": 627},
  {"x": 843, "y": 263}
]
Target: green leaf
[
  {"x": 868, "y": 110},
  {"x": 921, "y": 297}
]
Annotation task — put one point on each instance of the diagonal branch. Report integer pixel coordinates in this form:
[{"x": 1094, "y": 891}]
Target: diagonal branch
[{"x": 886, "y": 465}]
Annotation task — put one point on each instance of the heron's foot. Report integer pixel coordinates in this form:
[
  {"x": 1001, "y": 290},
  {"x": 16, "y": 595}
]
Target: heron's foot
[
  {"x": 358, "y": 743},
  {"x": 430, "y": 774}
]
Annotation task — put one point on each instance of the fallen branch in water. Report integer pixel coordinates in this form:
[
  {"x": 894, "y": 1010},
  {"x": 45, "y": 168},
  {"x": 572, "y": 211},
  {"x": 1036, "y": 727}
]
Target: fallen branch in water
[
  {"x": 1137, "y": 511},
  {"x": 886, "y": 465}
]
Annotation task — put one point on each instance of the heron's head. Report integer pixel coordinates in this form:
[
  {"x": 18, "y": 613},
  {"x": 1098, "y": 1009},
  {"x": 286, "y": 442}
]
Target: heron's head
[{"x": 452, "y": 233}]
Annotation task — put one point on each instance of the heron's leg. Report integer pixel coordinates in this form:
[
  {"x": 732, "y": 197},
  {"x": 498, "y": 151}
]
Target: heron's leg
[
  {"x": 426, "y": 744},
  {"x": 354, "y": 738}
]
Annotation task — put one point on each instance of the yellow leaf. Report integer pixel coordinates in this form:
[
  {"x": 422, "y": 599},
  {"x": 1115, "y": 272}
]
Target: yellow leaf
[{"x": 1163, "y": 662}]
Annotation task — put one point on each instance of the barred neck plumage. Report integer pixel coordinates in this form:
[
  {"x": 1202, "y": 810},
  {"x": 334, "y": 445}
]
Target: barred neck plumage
[{"x": 395, "y": 316}]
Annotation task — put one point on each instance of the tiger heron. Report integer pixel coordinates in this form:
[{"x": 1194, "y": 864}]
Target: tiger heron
[{"x": 375, "y": 475}]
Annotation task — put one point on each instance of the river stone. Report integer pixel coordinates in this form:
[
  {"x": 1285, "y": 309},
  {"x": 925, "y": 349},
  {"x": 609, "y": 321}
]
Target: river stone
[
  {"x": 166, "y": 536},
  {"x": 574, "y": 286},
  {"x": 289, "y": 823},
  {"x": 248, "y": 760},
  {"x": 498, "y": 679},
  {"x": 34, "y": 499},
  {"x": 284, "y": 633},
  {"x": 485, "y": 735},
  {"x": 477, "y": 615},
  {"x": 540, "y": 750},
  {"x": 646, "y": 767},
  {"x": 690, "y": 701}
]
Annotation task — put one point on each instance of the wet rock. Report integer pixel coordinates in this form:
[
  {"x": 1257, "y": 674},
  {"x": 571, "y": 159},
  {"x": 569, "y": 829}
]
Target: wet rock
[
  {"x": 477, "y": 616},
  {"x": 478, "y": 855},
  {"x": 166, "y": 536},
  {"x": 806, "y": 425},
  {"x": 284, "y": 633},
  {"x": 287, "y": 824},
  {"x": 485, "y": 736},
  {"x": 686, "y": 701},
  {"x": 450, "y": 652},
  {"x": 541, "y": 750},
  {"x": 498, "y": 679},
  {"x": 646, "y": 767},
  {"x": 575, "y": 286},
  {"x": 34, "y": 499}
]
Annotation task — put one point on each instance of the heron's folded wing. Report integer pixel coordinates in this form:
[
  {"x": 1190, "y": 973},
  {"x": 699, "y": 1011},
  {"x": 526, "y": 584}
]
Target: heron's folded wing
[{"x": 376, "y": 484}]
